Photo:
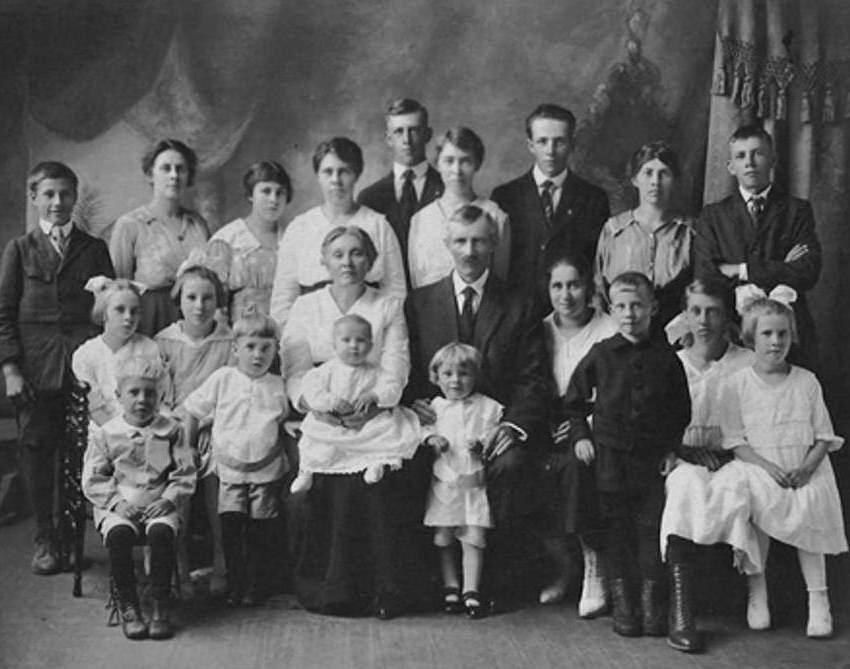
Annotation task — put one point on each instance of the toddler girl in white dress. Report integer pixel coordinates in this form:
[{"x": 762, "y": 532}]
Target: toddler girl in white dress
[
  {"x": 340, "y": 393},
  {"x": 775, "y": 419},
  {"x": 457, "y": 503}
]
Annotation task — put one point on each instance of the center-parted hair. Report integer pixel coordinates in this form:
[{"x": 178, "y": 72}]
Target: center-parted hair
[
  {"x": 164, "y": 145},
  {"x": 651, "y": 151},
  {"x": 572, "y": 259},
  {"x": 635, "y": 281},
  {"x": 199, "y": 272},
  {"x": 712, "y": 287},
  {"x": 764, "y": 306},
  {"x": 343, "y": 148},
  {"x": 359, "y": 234},
  {"x": 462, "y": 355},
  {"x": 465, "y": 139}
]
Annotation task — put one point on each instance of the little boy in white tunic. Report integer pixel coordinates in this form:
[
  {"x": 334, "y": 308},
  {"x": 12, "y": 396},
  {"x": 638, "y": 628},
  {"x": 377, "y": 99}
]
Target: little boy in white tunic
[
  {"x": 247, "y": 405},
  {"x": 457, "y": 502}
]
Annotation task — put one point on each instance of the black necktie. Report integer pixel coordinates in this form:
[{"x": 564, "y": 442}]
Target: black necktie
[
  {"x": 407, "y": 204},
  {"x": 466, "y": 323},
  {"x": 756, "y": 208},
  {"x": 547, "y": 202}
]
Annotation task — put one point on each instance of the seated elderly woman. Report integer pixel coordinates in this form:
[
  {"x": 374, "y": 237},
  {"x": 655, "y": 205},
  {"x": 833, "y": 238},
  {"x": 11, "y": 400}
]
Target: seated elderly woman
[
  {"x": 652, "y": 238},
  {"x": 338, "y": 163},
  {"x": 150, "y": 243},
  {"x": 345, "y": 546},
  {"x": 244, "y": 252}
]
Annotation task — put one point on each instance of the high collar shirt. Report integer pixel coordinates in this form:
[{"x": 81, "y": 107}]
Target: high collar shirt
[
  {"x": 47, "y": 229},
  {"x": 420, "y": 171},
  {"x": 557, "y": 182}
]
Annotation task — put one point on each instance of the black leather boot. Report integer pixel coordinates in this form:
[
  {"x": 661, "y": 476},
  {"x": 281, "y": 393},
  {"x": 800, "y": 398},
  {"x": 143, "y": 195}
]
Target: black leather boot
[
  {"x": 124, "y": 603},
  {"x": 160, "y": 627},
  {"x": 653, "y": 600},
  {"x": 683, "y": 634},
  {"x": 626, "y": 620}
]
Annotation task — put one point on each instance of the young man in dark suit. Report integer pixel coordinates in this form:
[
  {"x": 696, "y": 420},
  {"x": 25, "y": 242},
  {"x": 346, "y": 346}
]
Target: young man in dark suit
[
  {"x": 45, "y": 313},
  {"x": 473, "y": 306},
  {"x": 413, "y": 183},
  {"x": 551, "y": 209},
  {"x": 761, "y": 234}
]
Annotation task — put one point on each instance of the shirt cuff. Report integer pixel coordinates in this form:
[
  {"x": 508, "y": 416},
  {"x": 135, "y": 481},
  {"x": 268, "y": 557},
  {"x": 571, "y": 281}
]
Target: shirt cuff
[
  {"x": 742, "y": 272},
  {"x": 523, "y": 435}
]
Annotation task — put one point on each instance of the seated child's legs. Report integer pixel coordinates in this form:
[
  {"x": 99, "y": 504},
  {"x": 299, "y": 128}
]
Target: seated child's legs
[
  {"x": 813, "y": 566},
  {"x": 120, "y": 539},
  {"x": 161, "y": 535}
]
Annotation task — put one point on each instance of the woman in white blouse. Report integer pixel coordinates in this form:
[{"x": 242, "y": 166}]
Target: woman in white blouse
[
  {"x": 460, "y": 153},
  {"x": 338, "y": 163},
  {"x": 572, "y": 328},
  {"x": 341, "y": 514}
]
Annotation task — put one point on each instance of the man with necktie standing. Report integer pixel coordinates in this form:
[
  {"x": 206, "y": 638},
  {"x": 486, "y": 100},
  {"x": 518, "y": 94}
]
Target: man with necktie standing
[
  {"x": 551, "y": 209},
  {"x": 45, "y": 313},
  {"x": 413, "y": 183},
  {"x": 760, "y": 234}
]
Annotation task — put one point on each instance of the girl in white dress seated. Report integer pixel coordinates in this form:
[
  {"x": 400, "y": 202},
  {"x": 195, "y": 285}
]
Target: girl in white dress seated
[
  {"x": 341, "y": 388},
  {"x": 775, "y": 419},
  {"x": 117, "y": 307},
  {"x": 457, "y": 503}
]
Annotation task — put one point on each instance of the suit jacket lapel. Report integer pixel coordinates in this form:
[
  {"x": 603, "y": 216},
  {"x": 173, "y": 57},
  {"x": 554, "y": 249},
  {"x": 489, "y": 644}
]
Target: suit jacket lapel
[
  {"x": 433, "y": 187},
  {"x": 774, "y": 209},
  {"x": 564, "y": 210},
  {"x": 743, "y": 228},
  {"x": 490, "y": 313},
  {"x": 445, "y": 308},
  {"x": 48, "y": 257}
]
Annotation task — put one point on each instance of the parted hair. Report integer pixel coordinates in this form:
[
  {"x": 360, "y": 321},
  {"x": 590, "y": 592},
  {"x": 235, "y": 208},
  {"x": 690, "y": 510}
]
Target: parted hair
[
  {"x": 343, "y": 148},
  {"x": 551, "y": 111},
  {"x": 102, "y": 298},
  {"x": 462, "y": 355},
  {"x": 191, "y": 158},
  {"x": 407, "y": 106},
  {"x": 359, "y": 234},
  {"x": 50, "y": 169},
  {"x": 267, "y": 170},
  {"x": 465, "y": 139},
  {"x": 469, "y": 214},
  {"x": 650, "y": 151},
  {"x": 635, "y": 281},
  {"x": 199, "y": 272}
]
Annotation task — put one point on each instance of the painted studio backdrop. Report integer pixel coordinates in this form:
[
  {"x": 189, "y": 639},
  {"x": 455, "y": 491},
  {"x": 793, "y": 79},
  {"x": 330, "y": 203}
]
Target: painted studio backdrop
[{"x": 92, "y": 83}]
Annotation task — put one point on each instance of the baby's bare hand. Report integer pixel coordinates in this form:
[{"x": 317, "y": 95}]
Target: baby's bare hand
[{"x": 439, "y": 443}]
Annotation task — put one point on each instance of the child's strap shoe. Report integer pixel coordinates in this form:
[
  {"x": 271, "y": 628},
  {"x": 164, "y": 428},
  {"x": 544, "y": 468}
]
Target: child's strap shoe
[{"x": 473, "y": 603}]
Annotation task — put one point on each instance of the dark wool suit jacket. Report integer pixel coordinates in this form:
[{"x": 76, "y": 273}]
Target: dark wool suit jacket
[
  {"x": 577, "y": 223},
  {"x": 45, "y": 311},
  {"x": 514, "y": 368},
  {"x": 725, "y": 234},
  {"x": 380, "y": 196}
]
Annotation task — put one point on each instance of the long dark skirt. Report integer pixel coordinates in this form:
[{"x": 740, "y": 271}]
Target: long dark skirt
[{"x": 353, "y": 542}]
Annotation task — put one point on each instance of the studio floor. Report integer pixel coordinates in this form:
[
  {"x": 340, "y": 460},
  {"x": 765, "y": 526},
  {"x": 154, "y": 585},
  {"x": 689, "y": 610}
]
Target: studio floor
[{"x": 42, "y": 625}]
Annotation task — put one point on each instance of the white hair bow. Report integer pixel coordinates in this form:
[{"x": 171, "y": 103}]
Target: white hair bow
[
  {"x": 748, "y": 293},
  {"x": 215, "y": 258},
  {"x": 98, "y": 284},
  {"x": 677, "y": 328}
]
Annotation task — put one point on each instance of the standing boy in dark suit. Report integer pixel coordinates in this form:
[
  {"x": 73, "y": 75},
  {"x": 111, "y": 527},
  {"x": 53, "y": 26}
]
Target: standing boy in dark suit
[
  {"x": 413, "y": 183},
  {"x": 45, "y": 313},
  {"x": 550, "y": 208},
  {"x": 761, "y": 234},
  {"x": 473, "y": 306}
]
